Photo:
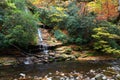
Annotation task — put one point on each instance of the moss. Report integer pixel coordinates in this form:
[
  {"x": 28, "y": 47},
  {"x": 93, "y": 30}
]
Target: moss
[
  {"x": 68, "y": 51},
  {"x": 77, "y": 48},
  {"x": 77, "y": 55}
]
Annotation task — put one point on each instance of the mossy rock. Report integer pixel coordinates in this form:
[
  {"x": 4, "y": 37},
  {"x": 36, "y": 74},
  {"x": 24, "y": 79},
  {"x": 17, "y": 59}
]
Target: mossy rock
[
  {"x": 9, "y": 63},
  {"x": 51, "y": 59},
  {"x": 60, "y": 59},
  {"x": 77, "y": 55},
  {"x": 71, "y": 57},
  {"x": 68, "y": 51},
  {"x": 65, "y": 56},
  {"x": 77, "y": 48}
]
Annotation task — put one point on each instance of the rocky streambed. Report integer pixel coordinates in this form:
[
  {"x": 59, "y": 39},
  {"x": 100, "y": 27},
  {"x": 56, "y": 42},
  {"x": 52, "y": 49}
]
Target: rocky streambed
[{"x": 74, "y": 70}]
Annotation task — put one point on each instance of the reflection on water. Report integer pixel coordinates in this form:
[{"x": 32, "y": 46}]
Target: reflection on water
[{"x": 84, "y": 67}]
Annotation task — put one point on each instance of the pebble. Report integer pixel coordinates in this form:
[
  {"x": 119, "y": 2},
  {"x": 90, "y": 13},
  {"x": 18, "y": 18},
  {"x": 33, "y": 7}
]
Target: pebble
[
  {"x": 92, "y": 79},
  {"x": 104, "y": 77},
  {"x": 70, "y": 76},
  {"x": 23, "y": 75}
]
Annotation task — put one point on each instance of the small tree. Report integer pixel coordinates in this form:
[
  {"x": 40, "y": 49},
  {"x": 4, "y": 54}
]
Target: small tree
[
  {"x": 107, "y": 39},
  {"x": 19, "y": 27}
]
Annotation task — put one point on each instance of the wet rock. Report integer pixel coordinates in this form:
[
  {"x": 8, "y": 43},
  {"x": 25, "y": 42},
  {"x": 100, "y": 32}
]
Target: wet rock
[
  {"x": 51, "y": 54},
  {"x": 117, "y": 77},
  {"x": 45, "y": 61},
  {"x": 92, "y": 71},
  {"x": 22, "y": 74},
  {"x": 62, "y": 78},
  {"x": 63, "y": 57},
  {"x": 51, "y": 59},
  {"x": 104, "y": 78},
  {"x": 99, "y": 77},
  {"x": 28, "y": 60},
  {"x": 76, "y": 48},
  {"x": 1, "y": 64},
  {"x": 77, "y": 55},
  {"x": 8, "y": 61},
  {"x": 36, "y": 78},
  {"x": 92, "y": 79},
  {"x": 68, "y": 51},
  {"x": 46, "y": 58}
]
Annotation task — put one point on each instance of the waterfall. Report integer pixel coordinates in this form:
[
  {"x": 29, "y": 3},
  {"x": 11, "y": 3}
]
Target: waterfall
[
  {"x": 45, "y": 48},
  {"x": 43, "y": 45},
  {"x": 39, "y": 35}
]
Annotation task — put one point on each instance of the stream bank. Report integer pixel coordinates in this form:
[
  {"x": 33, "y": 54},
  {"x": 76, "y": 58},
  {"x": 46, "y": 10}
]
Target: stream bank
[
  {"x": 57, "y": 52},
  {"x": 62, "y": 62},
  {"x": 14, "y": 57}
]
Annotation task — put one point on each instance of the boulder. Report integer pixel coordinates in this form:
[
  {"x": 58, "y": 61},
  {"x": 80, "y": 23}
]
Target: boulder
[
  {"x": 76, "y": 48},
  {"x": 117, "y": 77},
  {"x": 68, "y": 51},
  {"x": 99, "y": 77}
]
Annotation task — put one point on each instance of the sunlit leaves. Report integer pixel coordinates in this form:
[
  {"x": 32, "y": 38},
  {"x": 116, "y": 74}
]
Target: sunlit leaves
[
  {"x": 106, "y": 40},
  {"x": 105, "y": 9},
  {"x": 52, "y": 16}
]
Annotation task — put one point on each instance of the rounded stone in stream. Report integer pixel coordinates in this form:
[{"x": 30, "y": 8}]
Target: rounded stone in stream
[
  {"x": 104, "y": 78},
  {"x": 46, "y": 58},
  {"x": 117, "y": 77},
  {"x": 99, "y": 77},
  {"x": 92, "y": 79},
  {"x": 28, "y": 60},
  {"x": 45, "y": 61},
  {"x": 23, "y": 75},
  {"x": 52, "y": 54}
]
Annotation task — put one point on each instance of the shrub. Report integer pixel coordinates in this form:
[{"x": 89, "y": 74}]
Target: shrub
[
  {"x": 60, "y": 36},
  {"x": 52, "y": 16},
  {"x": 106, "y": 39},
  {"x": 19, "y": 27},
  {"x": 80, "y": 28}
]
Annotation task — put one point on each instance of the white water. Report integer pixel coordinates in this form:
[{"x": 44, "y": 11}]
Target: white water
[
  {"x": 39, "y": 35},
  {"x": 28, "y": 61},
  {"x": 45, "y": 47}
]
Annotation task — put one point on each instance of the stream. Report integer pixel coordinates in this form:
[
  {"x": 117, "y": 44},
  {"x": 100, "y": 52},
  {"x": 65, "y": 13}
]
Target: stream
[
  {"x": 67, "y": 70},
  {"x": 85, "y": 70}
]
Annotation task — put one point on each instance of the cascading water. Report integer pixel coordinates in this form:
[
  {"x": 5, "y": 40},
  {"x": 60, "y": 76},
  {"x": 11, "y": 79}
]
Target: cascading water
[
  {"x": 40, "y": 36},
  {"x": 44, "y": 46}
]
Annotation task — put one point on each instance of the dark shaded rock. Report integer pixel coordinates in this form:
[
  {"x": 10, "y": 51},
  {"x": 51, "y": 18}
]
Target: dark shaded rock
[
  {"x": 77, "y": 48},
  {"x": 77, "y": 55},
  {"x": 52, "y": 54}
]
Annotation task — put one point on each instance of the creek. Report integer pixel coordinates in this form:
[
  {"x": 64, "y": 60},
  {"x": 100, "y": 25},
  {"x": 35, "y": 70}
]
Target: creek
[
  {"x": 67, "y": 70},
  {"x": 85, "y": 69}
]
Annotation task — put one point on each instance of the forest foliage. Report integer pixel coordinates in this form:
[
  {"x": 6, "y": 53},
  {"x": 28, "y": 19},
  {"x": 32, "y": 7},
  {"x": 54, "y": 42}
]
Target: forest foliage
[
  {"x": 18, "y": 24},
  {"x": 92, "y": 23}
]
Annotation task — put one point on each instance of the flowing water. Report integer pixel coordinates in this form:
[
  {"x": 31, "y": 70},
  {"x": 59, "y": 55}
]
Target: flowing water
[
  {"x": 43, "y": 44},
  {"x": 40, "y": 35},
  {"x": 85, "y": 69},
  {"x": 73, "y": 70}
]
